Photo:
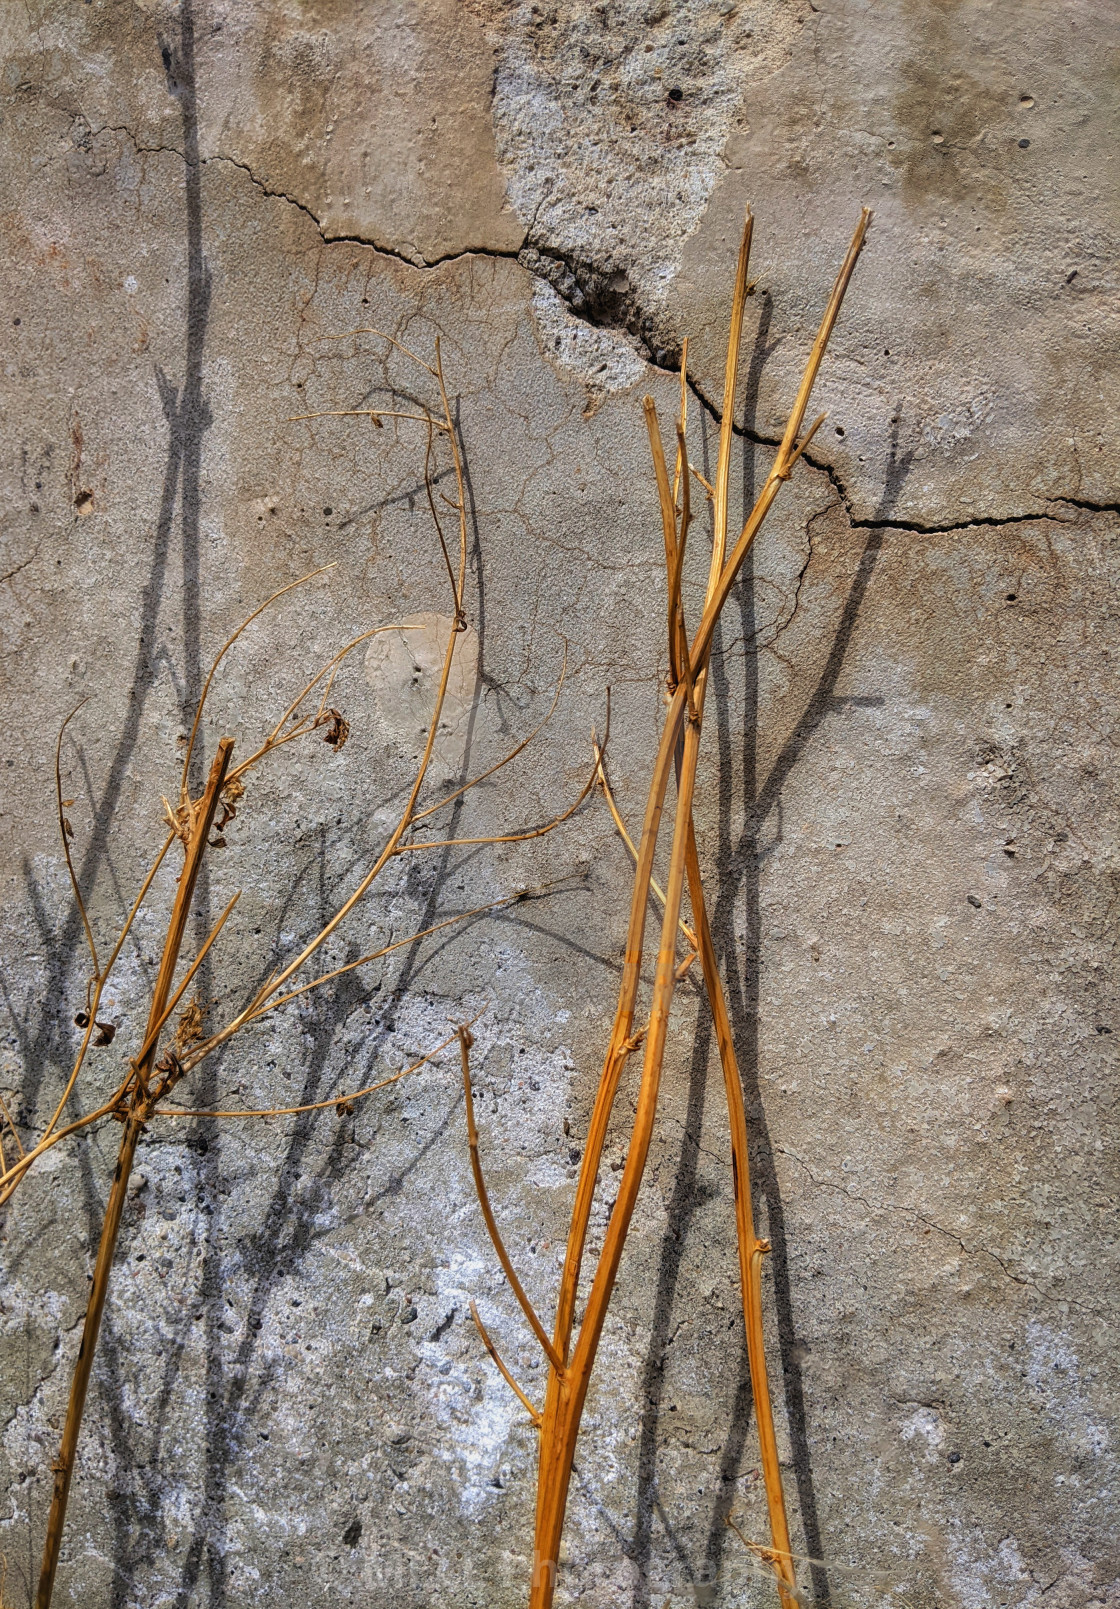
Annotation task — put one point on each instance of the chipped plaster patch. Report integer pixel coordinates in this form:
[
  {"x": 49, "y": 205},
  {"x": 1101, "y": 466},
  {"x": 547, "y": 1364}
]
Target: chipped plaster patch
[{"x": 601, "y": 359}]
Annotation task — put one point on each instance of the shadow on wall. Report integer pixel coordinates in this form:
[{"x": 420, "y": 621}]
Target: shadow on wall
[
  {"x": 739, "y": 860},
  {"x": 287, "y": 1231}
]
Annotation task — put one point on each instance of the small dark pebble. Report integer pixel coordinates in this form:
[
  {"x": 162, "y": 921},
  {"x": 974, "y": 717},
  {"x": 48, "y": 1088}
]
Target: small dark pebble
[
  {"x": 954, "y": 1458},
  {"x": 574, "y": 1154},
  {"x": 973, "y": 901},
  {"x": 1023, "y": 144},
  {"x": 408, "y": 1316}
]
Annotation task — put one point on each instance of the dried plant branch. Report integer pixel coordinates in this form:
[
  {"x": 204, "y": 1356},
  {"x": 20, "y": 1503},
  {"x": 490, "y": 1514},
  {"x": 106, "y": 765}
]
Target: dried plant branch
[
  {"x": 483, "y": 776},
  {"x": 655, "y": 887},
  {"x": 534, "y": 1413},
  {"x": 370, "y": 329},
  {"x": 516, "y": 898},
  {"x": 11, "y": 1125},
  {"x": 466, "y": 1040},
  {"x": 10, "y": 1178},
  {"x": 275, "y": 984},
  {"x": 436, "y": 522},
  {"x": 142, "y": 1095},
  {"x": 669, "y": 532},
  {"x": 508, "y": 837},
  {"x": 777, "y": 1563},
  {"x": 312, "y": 1106},
  {"x": 751, "y": 1248},
  {"x": 277, "y": 737},
  {"x": 184, "y": 796},
  {"x": 567, "y": 1387},
  {"x": 155, "y": 1031},
  {"x": 202, "y": 816},
  {"x": 376, "y": 414}
]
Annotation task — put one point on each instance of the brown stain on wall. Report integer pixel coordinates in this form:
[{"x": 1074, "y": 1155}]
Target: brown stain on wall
[{"x": 952, "y": 126}]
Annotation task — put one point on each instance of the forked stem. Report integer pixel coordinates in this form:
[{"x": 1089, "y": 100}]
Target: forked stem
[
  {"x": 466, "y": 1040},
  {"x": 138, "y": 1111},
  {"x": 567, "y": 1389}
]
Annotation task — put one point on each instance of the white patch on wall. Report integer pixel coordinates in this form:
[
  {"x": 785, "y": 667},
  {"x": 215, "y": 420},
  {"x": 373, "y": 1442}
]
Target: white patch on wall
[
  {"x": 479, "y": 1423},
  {"x": 926, "y": 1424},
  {"x": 1053, "y": 1370},
  {"x": 604, "y": 360},
  {"x": 404, "y": 666}
]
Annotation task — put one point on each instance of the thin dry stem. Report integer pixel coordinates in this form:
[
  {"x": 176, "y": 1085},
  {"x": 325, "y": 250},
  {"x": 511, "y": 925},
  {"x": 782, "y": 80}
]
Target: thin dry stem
[
  {"x": 534, "y": 1413},
  {"x": 376, "y": 414},
  {"x": 202, "y": 816},
  {"x": 465, "y": 1042},
  {"x": 655, "y": 887},
  {"x": 11, "y": 1125},
  {"x": 313, "y": 1106},
  {"x": 449, "y": 798},
  {"x": 155, "y": 1031},
  {"x": 184, "y": 796},
  {"x": 388, "y": 949}
]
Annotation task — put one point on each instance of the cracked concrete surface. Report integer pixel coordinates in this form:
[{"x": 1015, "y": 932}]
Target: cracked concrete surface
[{"x": 907, "y": 805}]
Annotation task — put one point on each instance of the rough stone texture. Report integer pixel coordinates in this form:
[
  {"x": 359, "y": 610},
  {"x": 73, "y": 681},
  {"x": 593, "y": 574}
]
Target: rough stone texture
[{"x": 908, "y": 806}]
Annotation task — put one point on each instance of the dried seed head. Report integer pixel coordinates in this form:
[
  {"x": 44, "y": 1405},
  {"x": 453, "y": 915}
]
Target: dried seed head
[{"x": 190, "y": 1025}]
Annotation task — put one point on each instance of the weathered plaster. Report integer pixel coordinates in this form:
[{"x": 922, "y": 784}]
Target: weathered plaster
[{"x": 907, "y": 808}]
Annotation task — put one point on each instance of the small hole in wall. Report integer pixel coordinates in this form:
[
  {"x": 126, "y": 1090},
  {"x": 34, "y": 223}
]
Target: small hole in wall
[
  {"x": 1011, "y": 596},
  {"x": 1026, "y": 100},
  {"x": 840, "y": 430},
  {"x": 676, "y": 94}
]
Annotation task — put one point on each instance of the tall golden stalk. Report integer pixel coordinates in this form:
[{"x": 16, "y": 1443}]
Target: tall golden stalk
[{"x": 572, "y": 1358}]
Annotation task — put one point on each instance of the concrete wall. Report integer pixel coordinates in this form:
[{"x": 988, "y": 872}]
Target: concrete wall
[{"x": 907, "y": 807}]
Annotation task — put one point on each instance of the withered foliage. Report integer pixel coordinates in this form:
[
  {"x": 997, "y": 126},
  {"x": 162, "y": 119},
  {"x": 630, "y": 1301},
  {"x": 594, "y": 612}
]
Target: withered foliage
[
  {"x": 196, "y": 824},
  {"x": 153, "y": 1071}
]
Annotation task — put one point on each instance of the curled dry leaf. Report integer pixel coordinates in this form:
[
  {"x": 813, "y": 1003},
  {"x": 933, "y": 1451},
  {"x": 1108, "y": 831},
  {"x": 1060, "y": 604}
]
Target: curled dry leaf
[
  {"x": 106, "y": 1033},
  {"x": 338, "y": 728},
  {"x": 231, "y": 793}
]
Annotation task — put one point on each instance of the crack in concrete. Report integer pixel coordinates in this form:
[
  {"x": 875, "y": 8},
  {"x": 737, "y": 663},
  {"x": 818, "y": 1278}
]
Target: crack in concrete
[
  {"x": 15, "y": 570},
  {"x": 609, "y": 306},
  {"x": 930, "y": 1223}
]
